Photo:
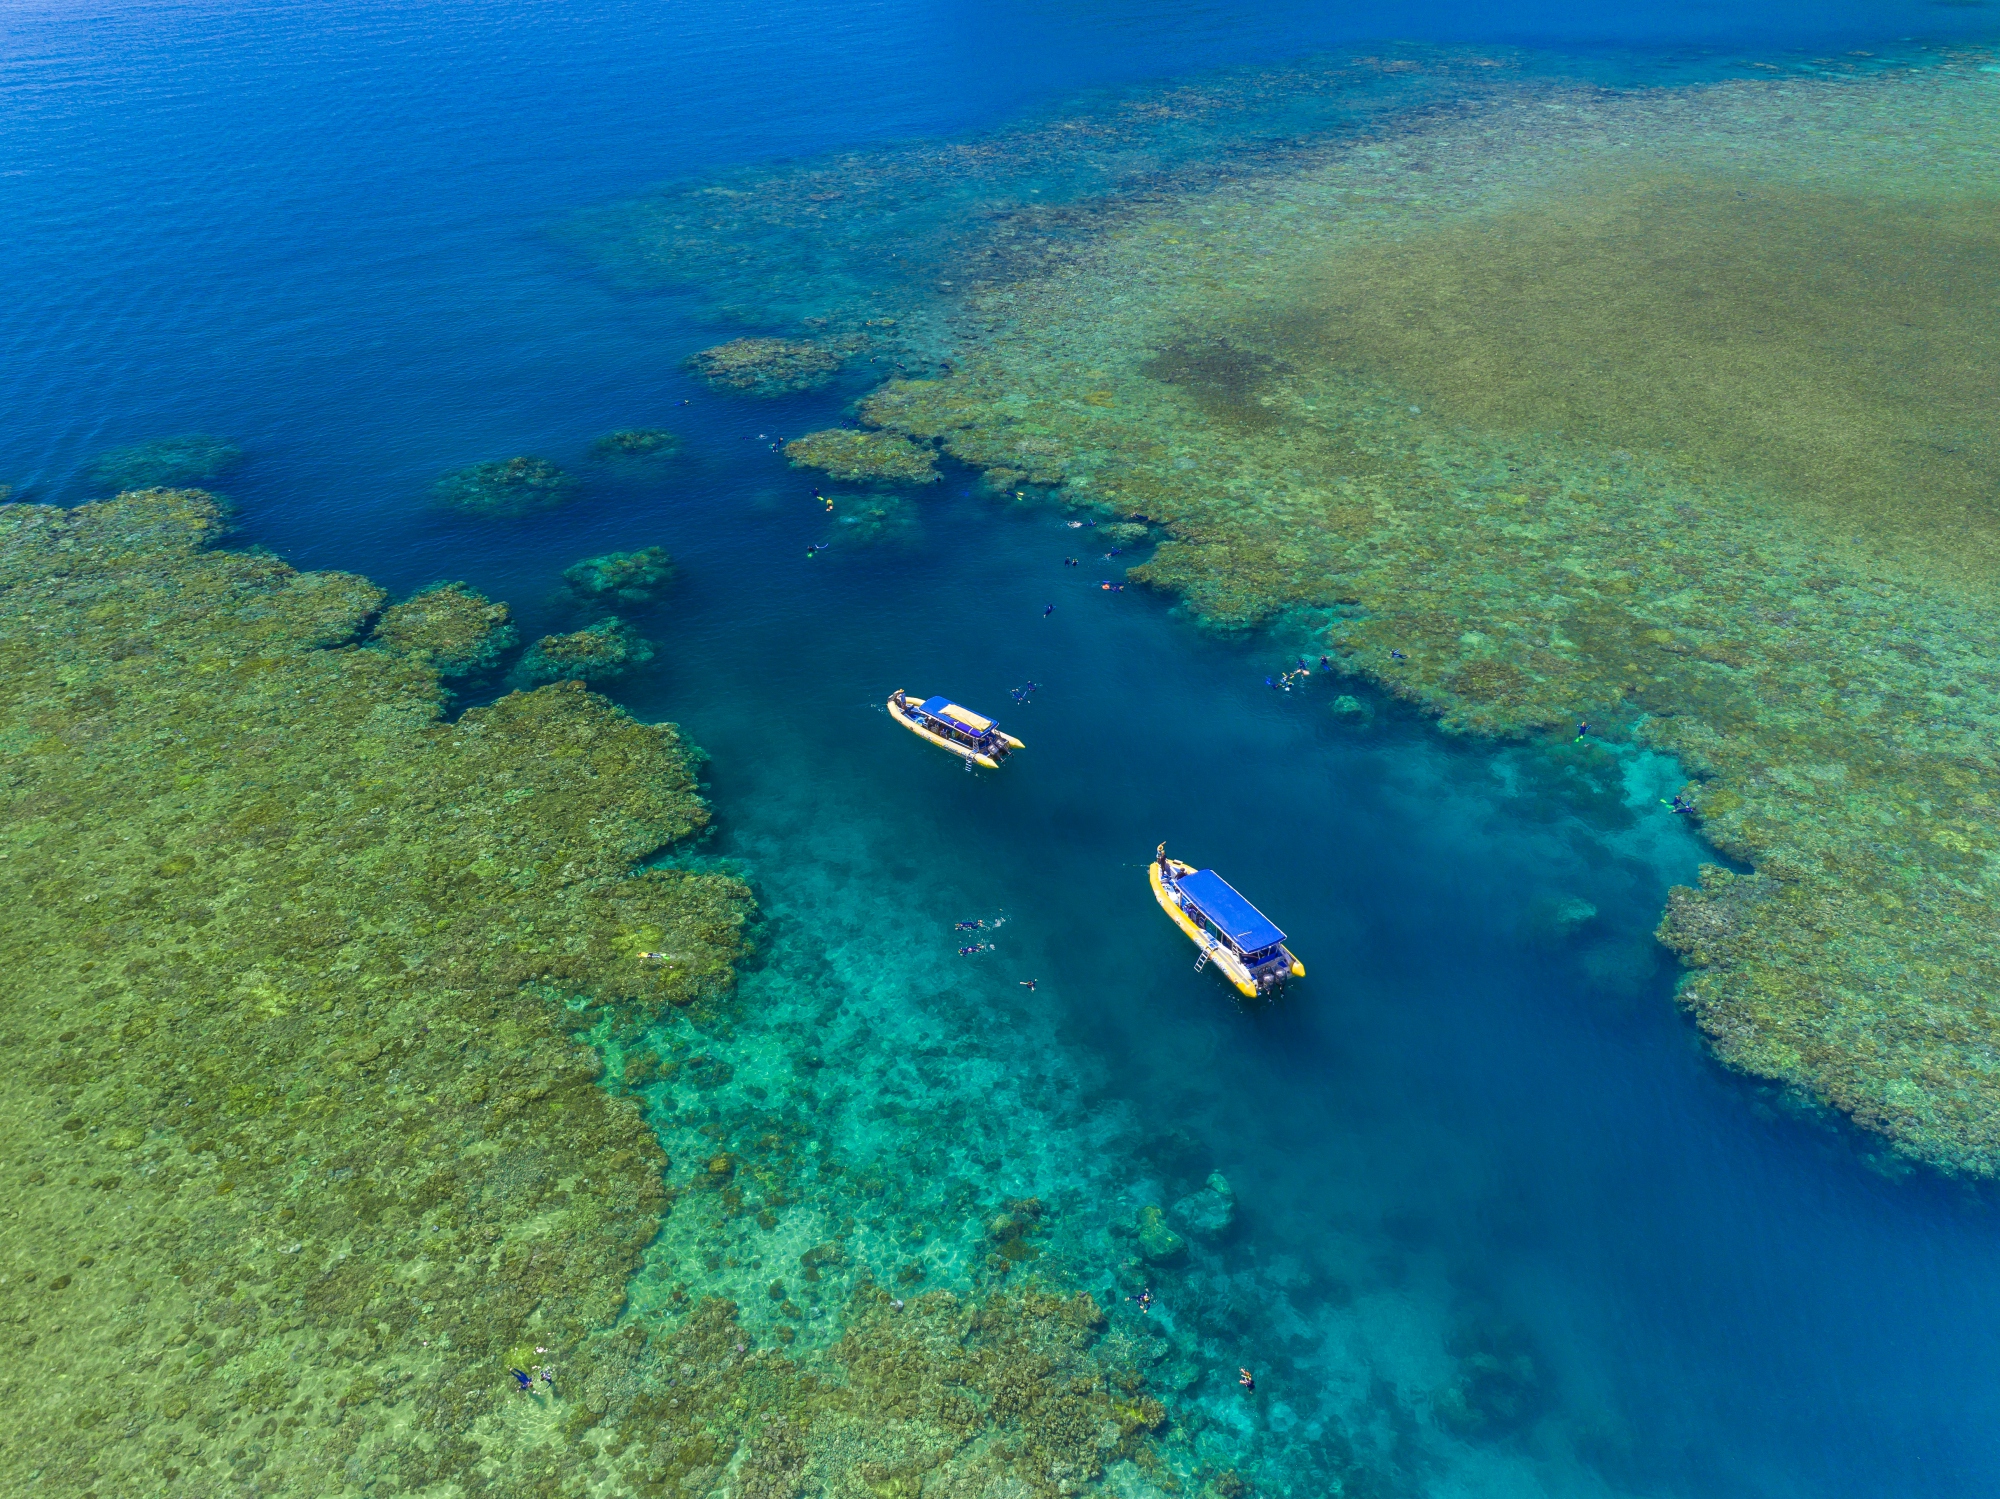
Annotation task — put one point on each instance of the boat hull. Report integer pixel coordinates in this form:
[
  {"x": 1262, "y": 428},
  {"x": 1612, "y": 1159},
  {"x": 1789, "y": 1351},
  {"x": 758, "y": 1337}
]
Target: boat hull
[{"x": 1233, "y": 967}]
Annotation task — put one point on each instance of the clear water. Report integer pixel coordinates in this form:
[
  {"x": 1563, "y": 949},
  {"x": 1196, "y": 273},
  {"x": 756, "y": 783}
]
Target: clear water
[{"x": 323, "y": 231}]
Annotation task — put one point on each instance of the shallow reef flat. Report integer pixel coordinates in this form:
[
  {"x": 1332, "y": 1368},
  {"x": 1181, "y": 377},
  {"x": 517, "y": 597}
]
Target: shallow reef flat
[
  {"x": 296, "y": 1142},
  {"x": 856, "y": 456},
  {"x": 771, "y": 366},
  {"x": 1659, "y": 410},
  {"x": 306, "y": 1137},
  {"x": 456, "y": 630},
  {"x": 597, "y": 653}
]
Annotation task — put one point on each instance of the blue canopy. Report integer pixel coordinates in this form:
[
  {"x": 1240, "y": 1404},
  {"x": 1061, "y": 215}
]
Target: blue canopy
[
  {"x": 1247, "y": 928},
  {"x": 960, "y": 717}
]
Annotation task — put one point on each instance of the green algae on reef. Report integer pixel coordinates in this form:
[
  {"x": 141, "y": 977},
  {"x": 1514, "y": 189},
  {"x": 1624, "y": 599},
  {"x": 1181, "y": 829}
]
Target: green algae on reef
[
  {"x": 295, "y": 1146},
  {"x": 597, "y": 653},
  {"x": 302, "y": 1151},
  {"x": 853, "y": 456},
  {"x": 769, "y": 366},
  {"x": 457, "y": 631},
  {"x": 506, "y": 486},
  {"x": 1663, "y": 410},
  {"x": 165, "y": 462}
]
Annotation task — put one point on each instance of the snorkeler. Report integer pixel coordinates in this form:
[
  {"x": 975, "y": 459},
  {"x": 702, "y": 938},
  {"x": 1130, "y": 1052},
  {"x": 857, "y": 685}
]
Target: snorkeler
[
  {"x": 1581, "y": 729},
  {"x": 1029, "y": 985},
  {"x": 1144, "y": 1300},
  {"x": 522, "y": 1381},
  {"x": 968, "y": 926},
  {"x": 1047, "y": 610},
  {"x": 1248, "y": 1380}
]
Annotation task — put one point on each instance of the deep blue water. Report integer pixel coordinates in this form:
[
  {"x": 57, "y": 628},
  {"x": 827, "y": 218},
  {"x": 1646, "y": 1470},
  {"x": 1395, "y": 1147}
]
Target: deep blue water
[{"x": 322, "y": 231}]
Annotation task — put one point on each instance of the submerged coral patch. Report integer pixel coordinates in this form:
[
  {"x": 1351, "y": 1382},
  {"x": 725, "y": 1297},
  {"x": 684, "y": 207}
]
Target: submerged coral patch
[
  {"x": 628, "y": 578},
  {"x": 165, "y": 463},
  {"x": 874, "y": 518},
  {"x": 508, "y": 486},
  {"x": 852, "y": 456},
  {"x": 597, "y": 653},
  {"x": 457, "y": 631},
  {"x": 769, "y": 366},
  {"x": 636, "y": 442}
]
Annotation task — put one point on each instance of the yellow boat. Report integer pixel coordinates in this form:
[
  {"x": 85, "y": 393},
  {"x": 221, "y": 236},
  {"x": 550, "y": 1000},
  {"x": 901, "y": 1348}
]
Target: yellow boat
[
  {"x": 1231, "y": 933},
  {"x": 971, "y": 736}
]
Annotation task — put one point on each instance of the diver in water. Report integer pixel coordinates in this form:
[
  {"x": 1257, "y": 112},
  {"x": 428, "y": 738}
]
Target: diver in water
[{"x": 1047, "y": 610}]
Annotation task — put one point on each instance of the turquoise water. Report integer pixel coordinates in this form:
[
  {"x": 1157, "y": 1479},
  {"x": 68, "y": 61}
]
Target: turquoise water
[{"x": 1476, "y": 1151}]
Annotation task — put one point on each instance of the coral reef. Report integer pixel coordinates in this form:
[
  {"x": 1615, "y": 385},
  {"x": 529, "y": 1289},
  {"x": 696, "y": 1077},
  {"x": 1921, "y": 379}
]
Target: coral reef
[
  {"x": 636, "y": 442},
  {"x": 596, "y": 653},
  {"x": 880, "y": 247},
  {"x": 870, "y": 519},
  {"x": 166, "y": 463},
  {"x": 770, "y": 366},
  {"x": 1158, "y": 1242},
  {"x": 458, "y": 632},
  {"x": 627, "y": 578},
  {"x": 1499, "y": 1386},
  {"x": 1209, "y": 1213},
  {"x": 298, "y": 1141},
  {"x": 851, "y": 455},
  {"x": 507, "y": 486},
  {"x": 1507, "y": 445}
]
